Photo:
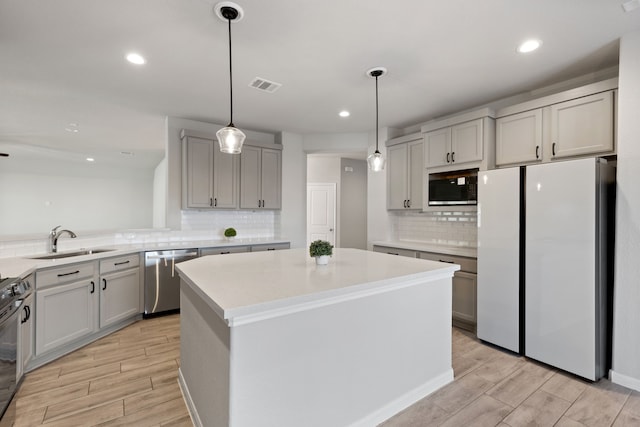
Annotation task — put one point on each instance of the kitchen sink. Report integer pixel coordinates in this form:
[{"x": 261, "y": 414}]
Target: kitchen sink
[{"x": 72, "y": 254}]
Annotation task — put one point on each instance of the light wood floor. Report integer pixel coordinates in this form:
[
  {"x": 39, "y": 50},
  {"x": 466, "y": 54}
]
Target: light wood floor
[
  {"x": 130, "y": 379},
  {"x": 496, "y": 388},
  {"x": 126, "y": 379}
]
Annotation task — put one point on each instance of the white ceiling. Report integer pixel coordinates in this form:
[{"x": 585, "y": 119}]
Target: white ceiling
[{"x": 63, "y": 62}]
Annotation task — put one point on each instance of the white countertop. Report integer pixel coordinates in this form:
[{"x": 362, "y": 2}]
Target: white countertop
[
  {"x": 22, "y": 266},
  {"x": 465, "y": 251},
  {"x": 249, "y": 284}
]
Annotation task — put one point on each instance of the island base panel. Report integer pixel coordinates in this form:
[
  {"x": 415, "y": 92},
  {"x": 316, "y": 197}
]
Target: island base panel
[{"x": 356, "y": 362}]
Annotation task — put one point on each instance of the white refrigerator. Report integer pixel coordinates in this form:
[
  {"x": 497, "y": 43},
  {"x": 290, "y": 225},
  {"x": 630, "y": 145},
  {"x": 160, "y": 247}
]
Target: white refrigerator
[{"x": 563, "y": 286}]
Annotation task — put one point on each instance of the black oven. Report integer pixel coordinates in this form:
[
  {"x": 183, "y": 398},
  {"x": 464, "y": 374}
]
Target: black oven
[{"x": 458, "y": 188}]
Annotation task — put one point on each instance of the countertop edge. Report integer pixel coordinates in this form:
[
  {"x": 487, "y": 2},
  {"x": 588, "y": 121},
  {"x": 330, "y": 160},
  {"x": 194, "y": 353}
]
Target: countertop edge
[{"x": 22, "y": 266}]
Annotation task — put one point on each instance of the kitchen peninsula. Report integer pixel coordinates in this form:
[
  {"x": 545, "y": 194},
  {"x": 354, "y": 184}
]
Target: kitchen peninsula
[{"x": 271, "y": 339}]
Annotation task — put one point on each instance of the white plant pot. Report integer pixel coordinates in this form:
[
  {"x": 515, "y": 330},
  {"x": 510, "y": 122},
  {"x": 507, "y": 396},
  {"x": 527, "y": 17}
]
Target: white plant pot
[{"x": 322, "y": 260}]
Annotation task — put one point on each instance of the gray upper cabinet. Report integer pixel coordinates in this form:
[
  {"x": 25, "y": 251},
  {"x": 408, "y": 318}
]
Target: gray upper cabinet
[
  {"x": 462, "y": 143},
  {"x": 582, "y": 126},
  {"x": 260, "y": 178},
  {"x": 210, "y": 178},
  {"x": 575, "y": 123},
  {"x": 404, "y": 174},
  {"x": 519, "y": 138}
]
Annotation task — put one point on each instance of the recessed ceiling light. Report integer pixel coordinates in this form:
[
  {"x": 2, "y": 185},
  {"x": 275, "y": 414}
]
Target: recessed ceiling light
[
  {"x": 136, "y": 58},
  {"x": 628, "y": 6},
  {"x": 529, "y": 46},
  {"x": 72, "y": 127},
  {"x": 90, "y": 159},
  {"x": 126, "y": 153},
  {"x": 344, "y": 113}
]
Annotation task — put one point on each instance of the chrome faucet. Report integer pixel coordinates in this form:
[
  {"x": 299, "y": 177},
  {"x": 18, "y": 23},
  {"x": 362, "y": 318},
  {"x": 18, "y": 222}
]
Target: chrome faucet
[{"x": 54, "y": 235}]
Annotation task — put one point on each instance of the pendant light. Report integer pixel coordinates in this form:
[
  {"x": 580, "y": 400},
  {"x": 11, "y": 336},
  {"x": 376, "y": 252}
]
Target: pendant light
[
  {"x": 230, "y": 138},
  {"x": 375, "y": 160}
]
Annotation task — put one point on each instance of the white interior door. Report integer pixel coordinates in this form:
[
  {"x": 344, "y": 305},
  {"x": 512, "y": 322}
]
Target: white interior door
[{"x": 321, "y": 212}]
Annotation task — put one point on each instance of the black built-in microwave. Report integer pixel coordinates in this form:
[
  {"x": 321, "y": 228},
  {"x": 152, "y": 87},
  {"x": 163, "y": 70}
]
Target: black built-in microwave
[{"x": 458, "y": 188}]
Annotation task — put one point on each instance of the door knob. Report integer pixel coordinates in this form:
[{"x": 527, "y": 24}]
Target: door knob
[{"x": 331, "y": 229}]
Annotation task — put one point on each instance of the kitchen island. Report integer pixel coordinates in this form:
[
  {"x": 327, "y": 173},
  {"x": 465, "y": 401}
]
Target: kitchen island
[{"x": 271, "y": 339}]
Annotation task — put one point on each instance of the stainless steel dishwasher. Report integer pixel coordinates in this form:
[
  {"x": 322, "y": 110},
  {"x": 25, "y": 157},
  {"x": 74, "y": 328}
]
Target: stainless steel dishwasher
[{"x": 161, "y": 281}]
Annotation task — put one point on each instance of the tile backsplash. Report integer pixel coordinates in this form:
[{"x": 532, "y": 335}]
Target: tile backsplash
[
  {"x": 456, "y": 228},
  {"x": 196, "y": 225},
  {"x": 248, "y": 224}
]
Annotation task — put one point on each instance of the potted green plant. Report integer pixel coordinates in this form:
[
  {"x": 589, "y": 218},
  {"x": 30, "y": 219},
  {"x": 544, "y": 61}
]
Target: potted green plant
[
  {"x": 321, "y": 250},
  {"x": 230, "y": 233}
]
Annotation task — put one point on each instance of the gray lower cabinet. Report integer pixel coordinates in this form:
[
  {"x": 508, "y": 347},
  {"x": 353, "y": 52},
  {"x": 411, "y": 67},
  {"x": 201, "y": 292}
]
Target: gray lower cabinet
[
  {"x": 224, "y": 250},
  {"x": 119, "y": 289},
  {"x": 272, "y": 247},
  {"x": 464, "y": 291},
  {"x": 66, "y": 305},
  {"x": 395, "y": 251},
  {"x": 76, "y": 301}
]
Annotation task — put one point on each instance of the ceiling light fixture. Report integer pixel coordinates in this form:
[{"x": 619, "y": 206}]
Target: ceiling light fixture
[
  {"x": 529, "y": 46},
  {"x": 230, "y": 138},
  {"x": 90, "y": 159},
  {"x": 72, "y": 127},
  {"x": 136, "y": 58},
  {"x": 344, "y": 113},
  {"x": 375, "y": 160}
]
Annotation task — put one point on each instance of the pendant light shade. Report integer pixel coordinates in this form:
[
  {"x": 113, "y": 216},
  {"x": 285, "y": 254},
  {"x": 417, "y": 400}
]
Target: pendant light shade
[
  {"x": 375, "y": 160},
  {"x": 230, "y": 138}
]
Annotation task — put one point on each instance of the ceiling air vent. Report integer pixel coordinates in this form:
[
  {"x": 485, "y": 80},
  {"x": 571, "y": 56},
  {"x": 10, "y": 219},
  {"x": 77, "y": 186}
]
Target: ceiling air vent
[{"x": 264, "y": 85}]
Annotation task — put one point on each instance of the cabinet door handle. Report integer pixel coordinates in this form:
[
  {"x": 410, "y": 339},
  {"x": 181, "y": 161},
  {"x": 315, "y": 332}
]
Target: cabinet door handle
[
  {"x": 448, "y": 262},
  {"x": 391, "y": 253},
  {"x": 224, "y": 253},
  {"x": 408, "y": 203},
  {"x": 122, "y": 263},
  {"x": 104, "y": 281},
  {"x": 453, "y": 156},
  {"x": 271, "y": 249},
  {"x": 537, "y": 151},
  {"x": 211, "y": 201},
  {"x": 93, "y": 286},
  {"x": 263, "y": 203},
  {"x": 404, "y": 203},
  {"x": 259, "y": 203},
  {"x": 68, "y": 274},
  {"x": 448, "y": 154},
  {"x": 27, "y": 312},
  {"x": 553, "y": 149},
  {"x": 215, "y": 202}
]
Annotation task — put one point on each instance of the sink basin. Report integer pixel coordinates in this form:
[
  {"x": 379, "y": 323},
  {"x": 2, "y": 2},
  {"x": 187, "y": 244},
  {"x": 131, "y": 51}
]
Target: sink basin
[{"x": 72, "y": 254}]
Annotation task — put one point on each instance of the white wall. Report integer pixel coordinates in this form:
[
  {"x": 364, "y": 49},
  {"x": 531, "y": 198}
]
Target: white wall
[
  {"x": 160, "y": 186},
  {"x": 36, "y": 201},
  {"x": 293, "y": 216},
  {"x": 378, "y": 220},
  {"x": 626, "y": 339},
  {"x": 353, "y": 203}
]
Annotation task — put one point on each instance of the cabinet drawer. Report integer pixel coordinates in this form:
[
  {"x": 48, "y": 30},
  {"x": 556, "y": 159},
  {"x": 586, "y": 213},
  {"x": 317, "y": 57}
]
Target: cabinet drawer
[
  {"x": 466, "y": 264},
  {"x": 66, "y": 274},
  {"x": 224, "y": 250},
  {"x": 119, "y": 263},
  {"x": 394, "y": 251},
  {"x": 274, "y": 247}
]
